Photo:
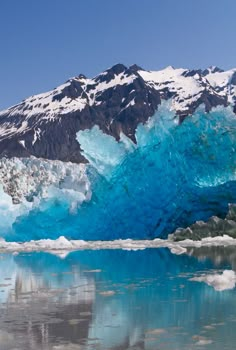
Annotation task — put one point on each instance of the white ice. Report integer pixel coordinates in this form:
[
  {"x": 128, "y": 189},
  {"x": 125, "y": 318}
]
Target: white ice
[
  {"x": 62, "y": 244},
  {"x": 24, "y": 182},
  {"x": 219, "y": 282}
]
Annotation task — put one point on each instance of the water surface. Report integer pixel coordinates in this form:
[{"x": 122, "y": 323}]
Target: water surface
[{"x": 115, "y": 299}]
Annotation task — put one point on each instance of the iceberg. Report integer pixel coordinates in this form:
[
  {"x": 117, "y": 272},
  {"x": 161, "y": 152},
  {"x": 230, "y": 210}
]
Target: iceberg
[
  {"x": 174, "y": 175},
  {"x": 219, "y": 282}
]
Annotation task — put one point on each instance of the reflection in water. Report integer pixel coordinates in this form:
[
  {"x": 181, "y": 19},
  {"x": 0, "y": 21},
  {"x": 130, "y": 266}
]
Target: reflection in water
[
  {"x": 114, "y": 299},
  {"x": 218, "y": 255}
]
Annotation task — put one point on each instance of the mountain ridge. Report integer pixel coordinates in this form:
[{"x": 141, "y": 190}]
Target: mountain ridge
[{"x": 117, "y": 100}]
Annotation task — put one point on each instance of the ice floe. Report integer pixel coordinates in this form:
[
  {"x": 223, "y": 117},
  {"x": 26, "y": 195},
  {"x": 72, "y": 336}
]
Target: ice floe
[
  {"x": 219, "y": 282},
  {"x": 63, "y": 245}
]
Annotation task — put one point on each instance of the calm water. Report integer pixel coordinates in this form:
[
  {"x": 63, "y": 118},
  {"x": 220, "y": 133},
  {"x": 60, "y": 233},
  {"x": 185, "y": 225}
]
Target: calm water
[{"x": 114, "y": 299}]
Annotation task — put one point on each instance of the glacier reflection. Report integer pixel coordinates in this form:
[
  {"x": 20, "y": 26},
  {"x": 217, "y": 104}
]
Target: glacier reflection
[{"x": 101, "y": 300}]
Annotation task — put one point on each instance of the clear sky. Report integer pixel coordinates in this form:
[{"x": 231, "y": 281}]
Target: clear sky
[{"x": 44, "y": 42}]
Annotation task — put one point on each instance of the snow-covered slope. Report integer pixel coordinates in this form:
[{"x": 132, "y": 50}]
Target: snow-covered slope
[
  {"x": 187, "y": 87},
  {"x": 116, "y": 100}
]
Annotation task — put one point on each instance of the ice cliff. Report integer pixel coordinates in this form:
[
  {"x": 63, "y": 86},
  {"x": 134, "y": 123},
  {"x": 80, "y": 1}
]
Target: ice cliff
[{"x": 174, "y": 175}]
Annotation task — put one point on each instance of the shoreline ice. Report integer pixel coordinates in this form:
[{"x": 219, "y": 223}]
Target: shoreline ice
[{"x": 64, "y": 245}]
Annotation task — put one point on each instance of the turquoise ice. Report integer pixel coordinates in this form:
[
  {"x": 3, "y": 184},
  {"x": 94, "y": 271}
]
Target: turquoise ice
[{"x": 174, "y": 175}]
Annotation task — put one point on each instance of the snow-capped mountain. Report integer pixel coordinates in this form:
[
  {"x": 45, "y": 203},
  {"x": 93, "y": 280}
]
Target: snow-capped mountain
[{"x": 116, "y": 100}]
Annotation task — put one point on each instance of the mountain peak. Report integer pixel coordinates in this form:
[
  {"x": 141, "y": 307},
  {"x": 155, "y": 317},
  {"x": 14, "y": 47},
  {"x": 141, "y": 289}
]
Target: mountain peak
[
  {"x": 117, "y": 69},
  {"x": 116, "y": 100},
  {"x": 212, "y": 70},
  {"x": 81, "y": 77},
  {"x": 215, "y": 69},
  {"x": 135, "y": 68}
]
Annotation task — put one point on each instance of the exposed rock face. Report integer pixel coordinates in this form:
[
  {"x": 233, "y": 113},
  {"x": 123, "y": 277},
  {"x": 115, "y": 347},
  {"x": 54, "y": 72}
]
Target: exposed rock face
[
  {"x": 117, "y": 100},
  {"x": 212, "y": 228}
]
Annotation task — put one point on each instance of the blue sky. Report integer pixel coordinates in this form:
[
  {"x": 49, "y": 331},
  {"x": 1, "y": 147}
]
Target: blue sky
[{"x": 44, "y": 42}]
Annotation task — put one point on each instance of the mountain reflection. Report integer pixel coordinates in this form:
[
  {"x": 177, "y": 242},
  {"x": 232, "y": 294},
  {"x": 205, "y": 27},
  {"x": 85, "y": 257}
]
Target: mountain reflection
[{"x": 112, "y": 299}]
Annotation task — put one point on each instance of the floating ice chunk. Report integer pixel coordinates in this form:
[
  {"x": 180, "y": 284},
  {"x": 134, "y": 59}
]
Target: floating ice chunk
[
  {"x": 107, "y": 293},
  {"x": 224, "y": 240},
  {"x": 178, "y": 250},
  {"x": 201, "y": 341},
  {"x": 219, "y": 282},
  {"x": 157, "y": 331},
  {"x": 62, "y": 245}
]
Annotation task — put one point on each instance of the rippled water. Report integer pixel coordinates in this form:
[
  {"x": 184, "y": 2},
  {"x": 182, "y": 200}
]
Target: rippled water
[{"x": 116, "y": 299}]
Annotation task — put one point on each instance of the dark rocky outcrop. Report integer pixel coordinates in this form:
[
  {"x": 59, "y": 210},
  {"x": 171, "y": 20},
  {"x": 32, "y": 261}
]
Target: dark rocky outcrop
[{"x": 214, "y": 227}]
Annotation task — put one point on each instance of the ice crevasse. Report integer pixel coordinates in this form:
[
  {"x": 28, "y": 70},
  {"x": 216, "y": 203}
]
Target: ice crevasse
[{"x": 173, "y": 176}]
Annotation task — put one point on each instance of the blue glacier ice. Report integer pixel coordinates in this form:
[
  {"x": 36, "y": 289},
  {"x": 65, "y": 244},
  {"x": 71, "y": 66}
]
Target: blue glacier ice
[{"x": 174, "y": 175}]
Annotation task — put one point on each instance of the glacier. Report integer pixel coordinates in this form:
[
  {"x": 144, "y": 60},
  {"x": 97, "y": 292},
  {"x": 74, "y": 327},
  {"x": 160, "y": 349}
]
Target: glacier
[{"x": 174, "y": 175}]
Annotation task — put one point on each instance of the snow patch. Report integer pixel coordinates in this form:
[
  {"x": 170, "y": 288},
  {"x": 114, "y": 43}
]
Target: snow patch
[
  {"x": 37, "y": 135},
  {"x": 187, "y": 89},
  {"x": 22, "y": 142}
]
